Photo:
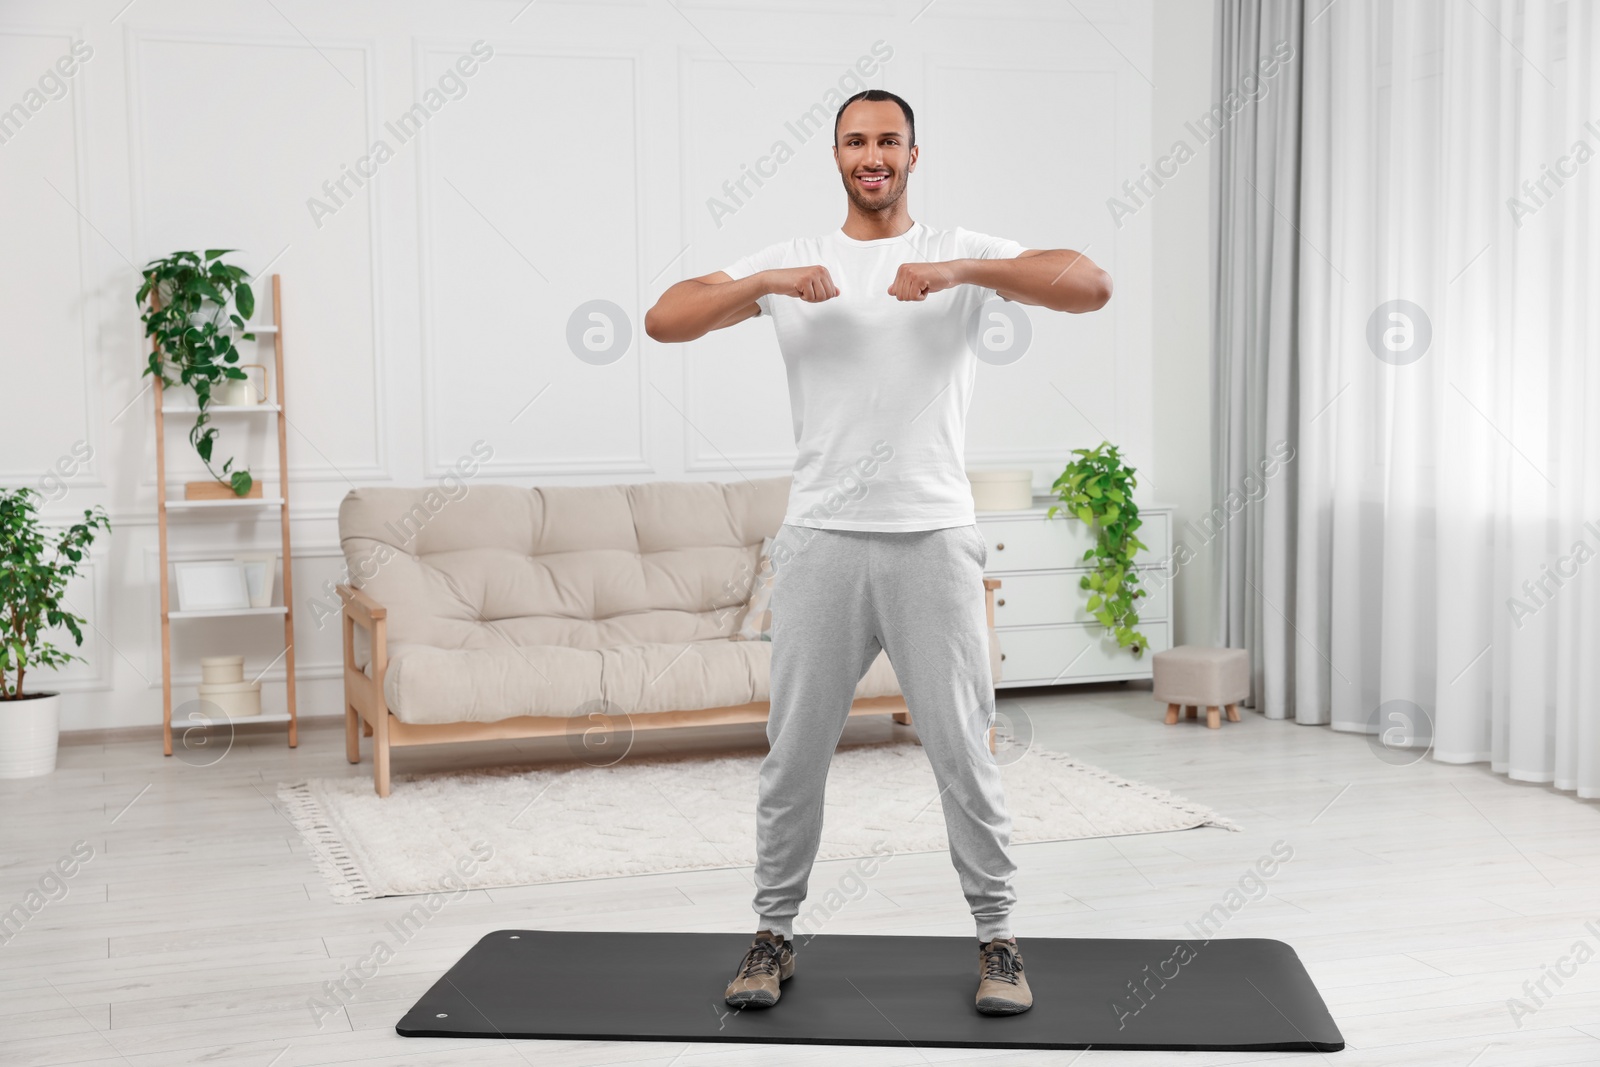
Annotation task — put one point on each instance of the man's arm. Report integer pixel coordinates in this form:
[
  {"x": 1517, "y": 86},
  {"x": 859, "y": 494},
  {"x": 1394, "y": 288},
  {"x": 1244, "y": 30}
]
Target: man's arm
[
  {"x": 695, "y": 306},
  {"x": 1057, "y": 278}
]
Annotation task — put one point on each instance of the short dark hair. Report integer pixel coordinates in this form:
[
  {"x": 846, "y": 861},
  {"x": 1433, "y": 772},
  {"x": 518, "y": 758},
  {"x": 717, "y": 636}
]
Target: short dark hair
[{"x": 879, "y": 94}]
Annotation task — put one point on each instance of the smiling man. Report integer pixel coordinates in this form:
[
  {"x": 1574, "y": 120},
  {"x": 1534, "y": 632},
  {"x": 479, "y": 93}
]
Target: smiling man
[{"x": 879, "y": 547}]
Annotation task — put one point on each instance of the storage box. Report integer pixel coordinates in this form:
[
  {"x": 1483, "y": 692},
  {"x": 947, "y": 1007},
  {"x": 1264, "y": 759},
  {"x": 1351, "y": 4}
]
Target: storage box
[
  {"x": 236, "y": 700},
  {"x": 1008, "y": 489},
  {"x": 220, "y": 670}
]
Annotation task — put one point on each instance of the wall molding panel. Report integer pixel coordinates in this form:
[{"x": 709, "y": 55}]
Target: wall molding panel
[
  {"x": 277, "y": 255},
  {"x": 540, "y": 347},
  {"x": 86, "y": 474}
]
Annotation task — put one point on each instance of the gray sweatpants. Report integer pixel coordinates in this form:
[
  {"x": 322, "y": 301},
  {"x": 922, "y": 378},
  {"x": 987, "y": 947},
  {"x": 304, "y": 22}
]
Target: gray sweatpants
[{"x": 838, "y": 597}]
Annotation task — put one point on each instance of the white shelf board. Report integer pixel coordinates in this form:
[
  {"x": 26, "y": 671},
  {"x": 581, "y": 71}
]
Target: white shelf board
[
  {"x": 194, "y": 409},
  {"x": 242, "y": 502},
  {"x": 222, "y": 613},
  {"x": 191, "y": 724},
  {"x": 251, "y": 327}
]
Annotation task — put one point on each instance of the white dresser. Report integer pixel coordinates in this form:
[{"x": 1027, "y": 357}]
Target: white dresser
[{"x": 1046, "y": 635}]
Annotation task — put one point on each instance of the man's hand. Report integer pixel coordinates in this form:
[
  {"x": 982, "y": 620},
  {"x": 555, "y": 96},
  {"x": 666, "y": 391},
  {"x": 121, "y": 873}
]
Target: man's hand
[
  {"x": 811, "y": 284},
  {"x": 914, "y": 281}
]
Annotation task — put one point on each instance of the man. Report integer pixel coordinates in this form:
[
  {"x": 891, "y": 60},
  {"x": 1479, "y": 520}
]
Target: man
[{"x": 879, "y": 548}]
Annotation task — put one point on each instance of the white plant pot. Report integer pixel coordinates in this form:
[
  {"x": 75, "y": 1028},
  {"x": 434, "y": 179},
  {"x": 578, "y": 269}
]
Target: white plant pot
[{"x": 29, "y": 729}]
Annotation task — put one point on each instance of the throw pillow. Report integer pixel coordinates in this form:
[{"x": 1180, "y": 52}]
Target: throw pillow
[{"x": 757, "y": 622}]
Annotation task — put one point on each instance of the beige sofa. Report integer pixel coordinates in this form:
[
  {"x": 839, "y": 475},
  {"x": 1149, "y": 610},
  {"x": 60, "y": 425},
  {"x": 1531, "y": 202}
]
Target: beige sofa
[{"x": 499, "y": 612}]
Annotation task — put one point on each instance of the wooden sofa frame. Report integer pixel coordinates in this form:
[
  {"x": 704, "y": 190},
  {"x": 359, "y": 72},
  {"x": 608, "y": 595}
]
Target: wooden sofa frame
[{"x": 366, "y": 711}]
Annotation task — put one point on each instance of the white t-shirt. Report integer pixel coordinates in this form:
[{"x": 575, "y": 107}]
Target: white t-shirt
[{"x": 878, "y": 387}]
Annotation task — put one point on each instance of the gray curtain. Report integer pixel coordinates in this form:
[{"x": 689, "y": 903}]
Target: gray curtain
[
  {"x": 1255, "y": 220},
  {"x": 1405, "y": 462}
]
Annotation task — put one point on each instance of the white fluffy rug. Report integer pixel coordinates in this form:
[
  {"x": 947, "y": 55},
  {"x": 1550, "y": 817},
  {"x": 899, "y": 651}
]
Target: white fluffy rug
[{"x": 515, "y": 826}]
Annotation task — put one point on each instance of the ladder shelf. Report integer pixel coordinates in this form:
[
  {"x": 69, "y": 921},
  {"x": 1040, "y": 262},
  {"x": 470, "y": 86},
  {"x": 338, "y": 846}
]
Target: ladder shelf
[{"x": 245, "y": 507}]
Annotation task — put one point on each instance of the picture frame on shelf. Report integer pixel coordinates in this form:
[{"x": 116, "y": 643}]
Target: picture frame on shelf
[
  {"x": 211, "y": 585},
  {"x": 259, "y": 571}
]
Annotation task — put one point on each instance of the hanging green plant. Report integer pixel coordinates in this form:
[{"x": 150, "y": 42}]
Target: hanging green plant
[
  {"x": 189, "y": 321},
  {"x": 1097, "y": 489}
]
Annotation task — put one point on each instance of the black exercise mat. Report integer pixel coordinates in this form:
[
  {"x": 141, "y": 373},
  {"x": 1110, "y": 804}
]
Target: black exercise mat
[{"x": 1238, "y": 994}]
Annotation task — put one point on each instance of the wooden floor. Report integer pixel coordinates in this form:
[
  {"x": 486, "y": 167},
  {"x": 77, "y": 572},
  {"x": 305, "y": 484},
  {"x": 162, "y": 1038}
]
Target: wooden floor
[{"x": 1421, "y": 897}]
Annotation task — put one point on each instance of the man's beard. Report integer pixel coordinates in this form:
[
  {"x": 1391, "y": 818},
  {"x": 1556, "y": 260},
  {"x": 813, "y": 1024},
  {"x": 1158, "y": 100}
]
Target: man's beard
[{"x": 890, "y": 198}]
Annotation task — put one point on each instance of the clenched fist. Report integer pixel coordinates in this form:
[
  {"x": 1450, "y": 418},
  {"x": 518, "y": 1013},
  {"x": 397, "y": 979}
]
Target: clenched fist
[
  {"x": 811, "y": 284},
  {"x": 914, "y": 281}
]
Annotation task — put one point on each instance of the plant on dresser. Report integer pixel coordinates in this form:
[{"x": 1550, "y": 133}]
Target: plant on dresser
[
  {"x": 34, "y": 570},
  {"x": 1097, "y": 488}
]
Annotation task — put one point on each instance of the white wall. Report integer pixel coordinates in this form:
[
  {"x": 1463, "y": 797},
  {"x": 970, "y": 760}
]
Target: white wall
[
  {"x": 428, "y": 308},
  {"x": 1181, "y": 290}
]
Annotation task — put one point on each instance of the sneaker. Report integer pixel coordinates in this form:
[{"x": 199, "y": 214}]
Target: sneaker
[
  {"x": 1002, "y": 988},
  {"x": 769, "y": 961}
]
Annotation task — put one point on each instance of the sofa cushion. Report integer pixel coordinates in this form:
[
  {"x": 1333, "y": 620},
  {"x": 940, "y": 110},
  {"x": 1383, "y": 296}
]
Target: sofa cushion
[
  {"x": 641, "y": 679},
  {"x": 433, "y": 685},
  {"x": 490, "y": 566}
]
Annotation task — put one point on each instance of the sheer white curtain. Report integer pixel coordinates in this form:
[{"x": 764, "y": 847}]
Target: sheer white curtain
[{"x": 1445, "y": 548}]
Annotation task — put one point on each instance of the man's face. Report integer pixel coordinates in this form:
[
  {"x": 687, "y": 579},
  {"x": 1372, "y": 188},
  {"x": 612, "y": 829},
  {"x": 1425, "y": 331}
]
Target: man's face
[{"x": 873, "y": 154}]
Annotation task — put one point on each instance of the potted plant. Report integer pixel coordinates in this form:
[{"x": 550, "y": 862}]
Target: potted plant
[
  {"x": 34, "y": 569},
  {"x": 1097, "y": 489},
  {"x": 188, "y": 320}
]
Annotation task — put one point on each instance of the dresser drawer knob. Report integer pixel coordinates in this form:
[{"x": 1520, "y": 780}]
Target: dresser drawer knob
[
  {"x": 1000, "y": 603},
  {"x": 1002, "y": 655},
  {"x": 1001, "y": 547}
]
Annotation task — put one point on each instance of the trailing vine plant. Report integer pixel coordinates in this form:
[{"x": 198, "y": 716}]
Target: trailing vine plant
[
  {"x": 189, "y": 320},
  {"x": 1097, "y": 488}
]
